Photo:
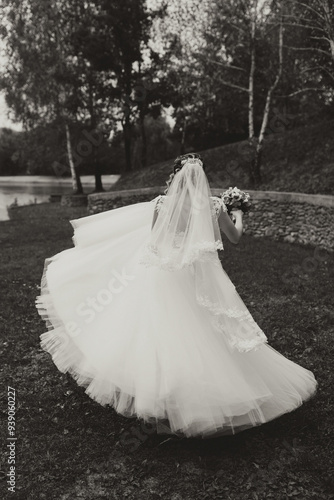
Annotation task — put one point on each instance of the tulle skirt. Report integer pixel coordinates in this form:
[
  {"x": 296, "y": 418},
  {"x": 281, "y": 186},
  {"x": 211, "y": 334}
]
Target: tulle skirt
[{"x": 137, "y": 338}]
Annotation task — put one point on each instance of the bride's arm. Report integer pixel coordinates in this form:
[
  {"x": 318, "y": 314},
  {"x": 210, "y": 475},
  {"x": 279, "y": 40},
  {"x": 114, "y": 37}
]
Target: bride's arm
[{"x": 232, "y": 231}]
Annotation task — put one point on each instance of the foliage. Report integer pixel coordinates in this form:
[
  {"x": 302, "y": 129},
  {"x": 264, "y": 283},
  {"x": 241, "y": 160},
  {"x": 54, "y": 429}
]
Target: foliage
[
  {"x": 10, "y": 161},
  {"x": 116, "y": 66}
]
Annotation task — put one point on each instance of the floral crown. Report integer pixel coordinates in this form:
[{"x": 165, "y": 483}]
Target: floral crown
[
  {"x": 189, "y": 161},
  {"x": 194, "y": 161}
]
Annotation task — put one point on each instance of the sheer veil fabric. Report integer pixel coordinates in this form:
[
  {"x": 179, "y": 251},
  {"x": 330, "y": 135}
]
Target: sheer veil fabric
[
  {"x": 185, "y": 230},
  {"x": 147, "y": 320},
  {"x": 187, "y": 234}
]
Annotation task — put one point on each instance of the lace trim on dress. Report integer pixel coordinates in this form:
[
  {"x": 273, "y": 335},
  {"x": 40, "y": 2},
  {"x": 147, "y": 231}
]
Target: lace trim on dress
[
  {"x": 159, "y": 202},
  {"x": 239, "y": 335},
  {"x": 217, "y": 205},
  {"x": 234, "y": 322},
  {"x": 203, "y": 252}
]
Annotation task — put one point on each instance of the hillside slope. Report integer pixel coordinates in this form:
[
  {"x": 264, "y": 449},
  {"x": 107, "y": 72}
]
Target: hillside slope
[{"x": 300, "y": 160}]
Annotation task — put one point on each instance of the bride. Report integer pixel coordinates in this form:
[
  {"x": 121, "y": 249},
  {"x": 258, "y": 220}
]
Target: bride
[{"x": 141, "y": 313}]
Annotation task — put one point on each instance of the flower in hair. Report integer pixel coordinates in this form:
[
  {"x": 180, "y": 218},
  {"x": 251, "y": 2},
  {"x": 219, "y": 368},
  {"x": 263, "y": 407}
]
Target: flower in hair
[{"x": 193, "y": 161}]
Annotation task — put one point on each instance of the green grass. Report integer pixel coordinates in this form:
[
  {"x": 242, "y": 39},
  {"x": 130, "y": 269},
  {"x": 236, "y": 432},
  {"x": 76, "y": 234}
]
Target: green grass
[
  {"x": 69, "y": 447},
  {"x": 299, "y": 160}
]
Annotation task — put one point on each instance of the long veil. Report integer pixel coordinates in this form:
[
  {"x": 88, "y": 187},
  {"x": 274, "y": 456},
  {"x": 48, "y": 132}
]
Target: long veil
[
  {"x": 186, "y": 234},
  {"x": 185, "y": 230}
]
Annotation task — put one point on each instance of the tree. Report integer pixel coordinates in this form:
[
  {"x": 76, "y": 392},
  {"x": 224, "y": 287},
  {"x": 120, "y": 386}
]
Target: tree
[
  {"x": 113, "y": 43},
  {"x": 97, "y": 91},
  {"x": 313, "y": 22},
  {"x": 39, "y": 81},
  {"x": 9, "y": 164},
  {"x": 179, "y": 35},
  {"x": 245, "y": 44}
]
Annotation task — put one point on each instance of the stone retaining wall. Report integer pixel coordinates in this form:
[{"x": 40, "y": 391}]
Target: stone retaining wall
[
  {"x": 292, "y": 222},
  {"x": 292, "y": 217},
  {"x": 99, "y": 202},
  {"x": 74, "y": 200}
]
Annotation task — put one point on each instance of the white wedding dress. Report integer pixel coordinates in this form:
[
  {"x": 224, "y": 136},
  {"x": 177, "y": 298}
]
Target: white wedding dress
[{"x": 140, "y": 338}]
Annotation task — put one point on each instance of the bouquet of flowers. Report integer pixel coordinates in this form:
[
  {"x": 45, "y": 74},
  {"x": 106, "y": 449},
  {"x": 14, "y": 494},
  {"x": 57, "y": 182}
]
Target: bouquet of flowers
[{"x": 234, "y": 198}]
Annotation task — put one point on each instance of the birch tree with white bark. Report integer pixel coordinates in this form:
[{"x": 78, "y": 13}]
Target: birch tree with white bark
[
  {"x": 250, "y": 62},
  {"x": 313, "y": 22}
]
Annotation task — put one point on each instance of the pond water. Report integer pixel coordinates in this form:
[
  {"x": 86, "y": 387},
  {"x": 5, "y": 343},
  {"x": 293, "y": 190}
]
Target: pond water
[{"x": 24, "y": 190}]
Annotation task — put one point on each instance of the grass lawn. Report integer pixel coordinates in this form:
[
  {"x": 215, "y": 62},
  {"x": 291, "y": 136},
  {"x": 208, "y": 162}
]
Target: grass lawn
[{"x": 69, "y": 447}]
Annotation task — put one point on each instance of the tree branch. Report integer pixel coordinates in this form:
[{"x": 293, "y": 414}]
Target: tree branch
[
  {"x": 299, "y": 25},
  {"x": 237, "y": 27},
  {"x": 326, "y": 71},
  {"x": 320, "y": 38},
  {"x": 317, "y": 13},
  {"x": 307, "y": 48},
  {"x": 225, "y": 65},
  {"x": 234, "y": 86},
  {"x": 308, "y": 89}
]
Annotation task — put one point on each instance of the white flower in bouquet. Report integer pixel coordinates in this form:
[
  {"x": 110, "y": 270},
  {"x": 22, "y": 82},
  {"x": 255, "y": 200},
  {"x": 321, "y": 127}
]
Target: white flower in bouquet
[{"x": 234, "y": 198}]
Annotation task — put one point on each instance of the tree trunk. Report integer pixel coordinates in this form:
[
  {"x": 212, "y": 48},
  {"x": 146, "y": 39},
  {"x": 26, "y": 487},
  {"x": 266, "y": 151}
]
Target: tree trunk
[
  {"x": 329, "y": 29},
  {"x": 251, "y": 131},
  {"x": 251, "y": 83},
  {"x": 98, "y": 175},
  {"x": 183, "y": 137},
  {"x": 76, "y": 181},
  {"x": 127, "y": 143},
  {"x": 126, "y": 122},
  {"x": 256, "y": 163},
  {"x": 143, "y": 137},
  {"x": 96, "y": 165}
]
